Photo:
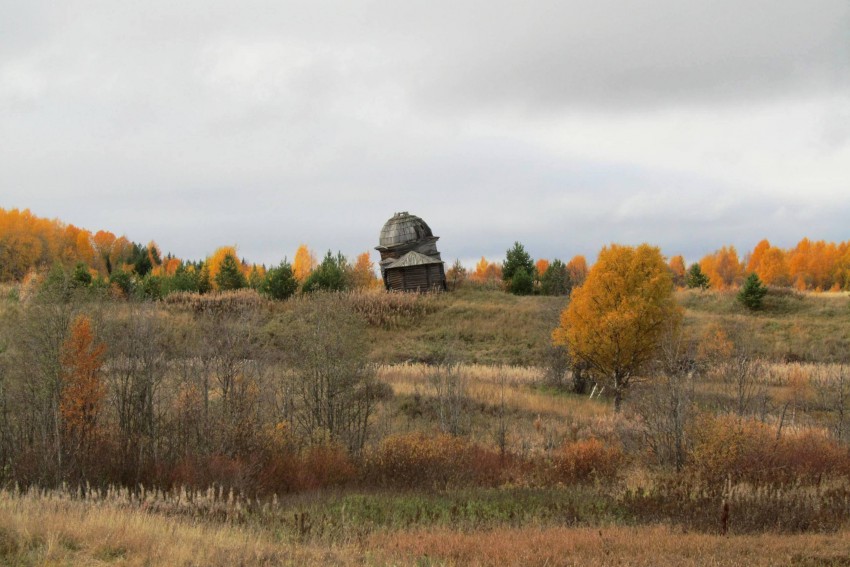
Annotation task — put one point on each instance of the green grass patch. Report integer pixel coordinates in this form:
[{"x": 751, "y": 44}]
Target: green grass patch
[{"x": 342, "y": 516}]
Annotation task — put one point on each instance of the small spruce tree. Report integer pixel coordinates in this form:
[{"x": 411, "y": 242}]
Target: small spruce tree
[
  {"x": 752, "y": 293},
  {"x": 81, "y": 276},
  {"x": 184, "y": 279},
  {"x": 696, "y": 278},
  {"x": 280, "y": 282},
  {"x": 517, "y": 258},
  {"x": 330, "y": 275},
  {"x": 204, "y": 283},
  {"x": 230, "y": 275},
  {"x": 522, "y": 283},
  {"x": 255, "y": 278},
  {"x": 556, "y": 279},
  {"x": 121, "y": 280}
]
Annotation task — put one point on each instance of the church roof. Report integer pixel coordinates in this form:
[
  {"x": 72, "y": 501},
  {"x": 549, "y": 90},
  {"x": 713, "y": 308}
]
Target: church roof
[
  {"x": 403, "y": 228},
  {"x": 413, "y": 258}
]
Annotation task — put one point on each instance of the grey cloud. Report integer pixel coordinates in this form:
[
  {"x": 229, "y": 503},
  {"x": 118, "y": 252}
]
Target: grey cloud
[
  {"x": 603, "y": 53},
  {"x": 616, "y": 54}
]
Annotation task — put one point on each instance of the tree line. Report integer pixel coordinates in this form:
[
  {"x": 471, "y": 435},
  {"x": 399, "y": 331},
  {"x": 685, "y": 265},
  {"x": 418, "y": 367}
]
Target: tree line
[
  {"x": 30, "y": 244},
  {"x": 810, "y": 265}
]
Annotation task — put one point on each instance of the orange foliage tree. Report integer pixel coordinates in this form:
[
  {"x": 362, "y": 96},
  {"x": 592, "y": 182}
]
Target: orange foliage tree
[
  {"x": 29, "y": 243},
  {"x": 120, "y": 254},
  {"x": 577, "y": 269},
  {"x": 154, "y": 254},
  {"x": 614, "y": 322},
  {"x": 541, "y": 266},
  {"x": 841, "y": 270},
  {"x": 678, "y": 271},
  {"x": 83, "y": 391},
  {"x": 363, "y": 273},
  {"x": 723, "y": 268},
  {"x": 770, "y": 264},
  {"x": 103, "y": 241},
  {"x": 487, "y": 273},
  {"x": 812, "y": 265},
  {"x": 303, "y": 264},
  {"x": 169, "y": 266}
]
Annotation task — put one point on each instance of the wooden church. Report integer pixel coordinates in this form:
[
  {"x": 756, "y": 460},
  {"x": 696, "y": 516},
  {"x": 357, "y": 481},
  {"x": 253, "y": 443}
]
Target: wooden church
[{"x": 409, "y": 257}]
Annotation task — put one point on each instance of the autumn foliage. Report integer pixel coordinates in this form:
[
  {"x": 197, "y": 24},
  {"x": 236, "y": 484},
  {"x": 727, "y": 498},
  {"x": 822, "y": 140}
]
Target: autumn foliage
[
  {"x": 615, "y": 320},
  {"x": 678, "y": 271},
  {"x": 28, "y": 243},
  {"x": 362, "y": 274},
  {"x": 723, "y": 268},
  {"x": 487, "y": 273},
  {"x": 83, "y": 392},
  {"x": 215, "y": 261},
  {"x": 541, "y": 266},
  {"x": 304, "y": 263},
  {"x": 577, "y": 269},
  {"x": 31, "y": 244},
  {"x": 810, "y": 265}
]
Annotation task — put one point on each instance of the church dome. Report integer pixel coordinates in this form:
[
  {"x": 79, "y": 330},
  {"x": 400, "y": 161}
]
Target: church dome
[{"x": 403, "y": 228}]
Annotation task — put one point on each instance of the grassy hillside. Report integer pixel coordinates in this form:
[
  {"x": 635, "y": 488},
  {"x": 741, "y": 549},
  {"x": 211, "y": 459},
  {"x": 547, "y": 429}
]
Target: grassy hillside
[
  {"x": 792, "y": 326},
  {"x": 474, "y": 326},
  {"x": 482, "y": 326},
  {"x": 491, "y": 327}
]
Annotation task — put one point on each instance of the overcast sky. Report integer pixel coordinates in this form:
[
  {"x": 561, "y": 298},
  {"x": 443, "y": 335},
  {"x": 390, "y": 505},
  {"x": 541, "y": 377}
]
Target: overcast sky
[{"x": 565, "y": 125}]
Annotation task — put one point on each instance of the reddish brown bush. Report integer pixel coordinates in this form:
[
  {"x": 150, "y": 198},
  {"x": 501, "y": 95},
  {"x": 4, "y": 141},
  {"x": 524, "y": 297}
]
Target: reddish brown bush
[
  {"x": 324, "y": 465},
  {"x": 312, "y": 468},
  {"x": 731, "y": 448},
  {"x": 203, "y": 472},
  {"x": 586, "y": 460},
  {"x": 277, "y": 472},
  {"x": 419, "y": 460}
]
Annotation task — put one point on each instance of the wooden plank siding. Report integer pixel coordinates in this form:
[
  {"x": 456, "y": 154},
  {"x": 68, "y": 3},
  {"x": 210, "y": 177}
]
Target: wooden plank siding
[{"x": 428, "y": 277}]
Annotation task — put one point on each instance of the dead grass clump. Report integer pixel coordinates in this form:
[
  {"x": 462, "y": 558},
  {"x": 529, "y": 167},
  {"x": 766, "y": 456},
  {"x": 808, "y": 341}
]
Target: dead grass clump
[{"x": 390, "y": 310}]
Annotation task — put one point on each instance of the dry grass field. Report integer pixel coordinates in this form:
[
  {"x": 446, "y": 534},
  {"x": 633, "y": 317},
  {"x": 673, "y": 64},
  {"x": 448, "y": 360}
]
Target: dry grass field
[{"x": 60, "y": 529}]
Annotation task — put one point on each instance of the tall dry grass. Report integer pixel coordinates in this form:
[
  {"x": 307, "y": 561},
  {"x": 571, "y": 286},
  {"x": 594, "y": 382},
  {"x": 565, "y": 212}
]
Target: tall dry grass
[
  {"x": 56, "y": 528},
  {"x": 493, "y": 385},
  {"x": 390, "y": 310},
  {"x": 224, "y": 301}
]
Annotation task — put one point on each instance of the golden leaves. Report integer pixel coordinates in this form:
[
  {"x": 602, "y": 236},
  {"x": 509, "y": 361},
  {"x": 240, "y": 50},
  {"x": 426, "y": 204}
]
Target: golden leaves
[
  {"x": 304, "y": 263},
  {"x": 615, "y": 320}
]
